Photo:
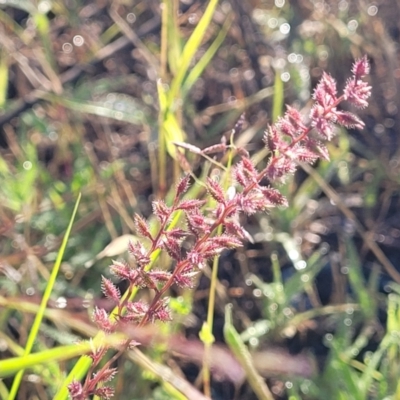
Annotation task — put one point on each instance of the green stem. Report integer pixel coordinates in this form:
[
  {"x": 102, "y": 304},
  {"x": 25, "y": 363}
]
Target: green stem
[{"x": 208, "y": 327}]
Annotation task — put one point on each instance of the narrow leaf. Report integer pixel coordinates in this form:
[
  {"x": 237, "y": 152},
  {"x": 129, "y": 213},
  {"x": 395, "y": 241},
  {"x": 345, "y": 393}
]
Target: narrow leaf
[
  {"x": 46, "y": 296},
  {"x": 241, "y": 352}
]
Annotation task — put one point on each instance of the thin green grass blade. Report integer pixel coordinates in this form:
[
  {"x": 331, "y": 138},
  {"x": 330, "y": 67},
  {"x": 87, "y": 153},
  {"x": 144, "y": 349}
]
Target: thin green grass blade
[
  {"x": 13, "y": 365},
  {"x": 173, "y": 133},
  {"x": 3, "y": 78},
  {"x": 373, "y": 365},
  {"x": 198, "y": 69},
  {"x": 162, "y": 96},
  {"x": 4, "y": 393},
  {"x": 356, "y": 279},
  {"x": 393, "y": 316},
  {"x": 277, "y": 107},
  {"x": 340, "y": 371},
  {"x": 174, "y": 42},
  {"x": 162, "y": 154},
  {"x": 241, "y": 352},
  {"x": 190, "y": 49},
  {"x": 46, "y": 296},
  {"x": 134, "y": 115}
]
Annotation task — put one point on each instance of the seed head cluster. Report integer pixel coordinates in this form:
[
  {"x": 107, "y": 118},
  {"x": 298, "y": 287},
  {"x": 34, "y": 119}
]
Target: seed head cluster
[{"x": 205, "y": 234}]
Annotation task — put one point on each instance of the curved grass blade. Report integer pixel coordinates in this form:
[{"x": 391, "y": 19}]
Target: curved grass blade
[
  {"x": 46, "y": 296},
  {"x": 190, "y": 49},
  {"x": 241, "y": 352},
  {"x": 198, "y": 69},
  {"x": 16, "y": 364}
]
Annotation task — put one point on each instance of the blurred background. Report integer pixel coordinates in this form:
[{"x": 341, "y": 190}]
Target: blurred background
[{"x": 80, "y": 112}]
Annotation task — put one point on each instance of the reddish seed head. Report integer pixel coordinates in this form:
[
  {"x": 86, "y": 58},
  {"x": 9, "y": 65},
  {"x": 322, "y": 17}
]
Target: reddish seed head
[
  {"x": 361, "y": 67},
  {"x": 183, "y": 185},
  {"x": 291, "y": 140},
  {"x": 102, "y": 320},
  {"x": 76, "y": 390},
  {"x": 104, "y": 392},
  {"x": 107, "y": 375},
  {"x": 141, "y": 227},
  {"x": 357, "y": 92},
  {"x": 109, "y": 289}
]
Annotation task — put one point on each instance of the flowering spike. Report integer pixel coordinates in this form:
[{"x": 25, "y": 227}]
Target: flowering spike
[
  {"x": 196, "y": 259},
  {"x": 274, "y": 197},
  {"x": 248, "y": 167},
  {"x": 171, "y": 246},
  {"x": 239, "y": 174},
  {"x": 289, "y": 141},
  {"x": 303, "y": 154},
  {"x": 234, "y": 229},
  {"x": 159, "y": 276},
  {"x": 141, "y": 227},
  {"x": 107, "y": 375},
  {"x": 96, "y": 350},
  {"x": 197, "y": 223},
  {"x": 322, "y": 150},
  {"x": 321, "y": 123},
  {"x": 176, "y": 234},
  {"x": 183, "y": 185},
  {"x": 227, "y": 241},
  {"x": 325, "y": 92},
  {"x": 188, "y": 146},
  {"x": 252, "y": 202},
  {"x": 286, "y": 127},
  {"x": 188, "y": 205},
  {"x": 215, "y": 191},
  {"x": 361, "y": 67},
  {"x": 239, "y": 125},
  {"x": 349, "y": 120},
  {"x": 138, "y": 251},
  {"x": 104, "y": 392},
  {"x": 357, "y": 92},
  {"x": 295, "y": 118},
  {"x": 161, "y": 210},
  {"x": 109, "y": 289},
  {"x": 216, "y": 148},
  {"x": 162, "y": 312},
  {"x": 272, "y": 139},
  {"x": 135, "y": 311},
  {"x": 186, "y": 279},
  {"x": 120, "y": 269},
  {"x": 101, "y": 318},
  {"x": 75, "y": 389},
  {"x": 280, "y": 169}
]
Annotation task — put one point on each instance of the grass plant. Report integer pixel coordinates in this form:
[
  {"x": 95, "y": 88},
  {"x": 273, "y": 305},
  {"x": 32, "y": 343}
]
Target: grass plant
[{"x": 131, "y": 105}]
